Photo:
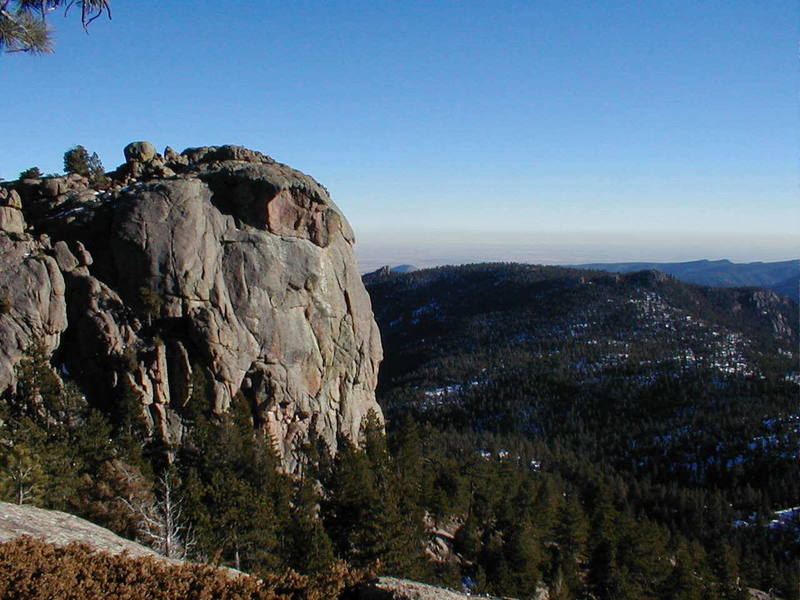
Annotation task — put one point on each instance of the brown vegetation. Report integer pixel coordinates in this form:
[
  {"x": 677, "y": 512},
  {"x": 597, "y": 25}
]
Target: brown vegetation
[{"x": 32, "y": 569}]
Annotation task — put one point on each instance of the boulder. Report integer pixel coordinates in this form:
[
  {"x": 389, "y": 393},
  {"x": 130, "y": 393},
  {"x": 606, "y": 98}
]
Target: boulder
[{"x": 140, "y": 152}]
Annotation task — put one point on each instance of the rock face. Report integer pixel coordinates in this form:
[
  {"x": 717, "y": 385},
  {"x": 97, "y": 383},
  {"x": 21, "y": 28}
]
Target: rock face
[
  {"x": 218, "y": 262},
  {"x": 32, "y": 289}
]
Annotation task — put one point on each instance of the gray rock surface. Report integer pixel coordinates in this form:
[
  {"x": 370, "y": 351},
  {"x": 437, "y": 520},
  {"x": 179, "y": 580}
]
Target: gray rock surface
[
  {"x": 11, "y": 219},
  {"x": 32, "y": 301},
  {"x": 394, "y": 588},
  {"x": 140, "y": 151},
  {"x": 218, "y": 259},
  {"x": 62, "y": 529}
]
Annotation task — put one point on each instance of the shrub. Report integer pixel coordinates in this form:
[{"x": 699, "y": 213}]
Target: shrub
[
  {"x": 31, "y": 569},
  {"x": 32, "y": 173},
  {"x": 150, "y": 302}
]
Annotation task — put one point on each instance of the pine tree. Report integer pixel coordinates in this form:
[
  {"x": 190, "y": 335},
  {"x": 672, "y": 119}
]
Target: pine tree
[
  {"x": 524, "y": 556},
  {"x": 39, "y": 392},
  {"x": 571, "y": 534},
  {"x": 242, "y": 527},
  {"x": 234, "y": 495},
  {"x": 128, "y": 416},
  {"x": 493, "y": 560},
  {"x": 76, "y": 161},
  {"x": 97, "y": 174},
  {"x": 724, "y": 565},
  {"x": 682, "y": 583},
  {"x": 375, "y": 446},
  {"x": 23, "y": 25},
  {"x": 310, "y": 549},
  {"x": 351, "y": 494},
  {"x": 21, "y": 475},
  {"x": 412, "y": 473},
  {"x": 394, "y": 521},
  {"x": 467, "y": 539},
  {"x": 114, "y": 496},
  {"x": 603, "y": 568}
]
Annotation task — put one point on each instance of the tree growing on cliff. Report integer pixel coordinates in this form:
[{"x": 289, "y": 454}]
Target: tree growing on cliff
[
  {"x": 39, "y": 389},
  {"x": 150, "y": 303},
  {"x": 76, "y": 161},
  {"x": 32, "y": 173},
  {"x": 97, "y": 173},
  {"x": 23, "y": 23}
]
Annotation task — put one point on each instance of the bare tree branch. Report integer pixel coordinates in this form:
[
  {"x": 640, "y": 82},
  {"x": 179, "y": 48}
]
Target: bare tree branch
[
  {"x": 162, "y": 524},
  {"x": 23, "y": 23}
]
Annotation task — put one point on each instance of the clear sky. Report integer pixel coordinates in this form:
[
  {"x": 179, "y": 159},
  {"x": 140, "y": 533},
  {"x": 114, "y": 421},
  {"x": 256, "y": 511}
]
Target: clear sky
[{"x": 668, "y": 128}]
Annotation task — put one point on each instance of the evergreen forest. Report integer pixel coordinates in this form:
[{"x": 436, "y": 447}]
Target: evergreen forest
[{"x": 544, "y": 431}]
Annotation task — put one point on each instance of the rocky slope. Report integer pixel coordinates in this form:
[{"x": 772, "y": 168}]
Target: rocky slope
[
  {"x": 393, "y": 588},
  {"x": 216, "y": 261},
  {"x": 61, "y": 529}
]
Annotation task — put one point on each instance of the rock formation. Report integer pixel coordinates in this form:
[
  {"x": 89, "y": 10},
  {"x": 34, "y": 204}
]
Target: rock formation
[
  {"x": 394, "y": 588},
  {"x": 217, "y": 261}
]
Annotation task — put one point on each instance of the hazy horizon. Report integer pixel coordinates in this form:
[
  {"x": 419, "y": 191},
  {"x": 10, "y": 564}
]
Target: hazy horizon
[{"x": 422, "y": 249}]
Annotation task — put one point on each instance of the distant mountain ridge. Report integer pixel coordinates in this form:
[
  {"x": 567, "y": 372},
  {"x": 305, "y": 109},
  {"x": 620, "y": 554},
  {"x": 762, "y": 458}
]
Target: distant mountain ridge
[{"x": 782, "y": 277}]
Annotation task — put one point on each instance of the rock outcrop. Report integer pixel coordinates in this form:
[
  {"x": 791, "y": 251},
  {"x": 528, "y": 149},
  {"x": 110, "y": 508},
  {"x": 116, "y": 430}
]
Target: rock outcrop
[
  {"x": 32, "y": 302},
  {"x": 216, "y": 264},
  {"x": 393, "y": 588},
  {"x": 62, "y": 529}
]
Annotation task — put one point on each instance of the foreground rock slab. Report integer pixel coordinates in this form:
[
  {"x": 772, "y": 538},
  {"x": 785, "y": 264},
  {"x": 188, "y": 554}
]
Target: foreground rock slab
[
  {"x": 62, "y": 529},
  {"x": 393, "y": 588}
]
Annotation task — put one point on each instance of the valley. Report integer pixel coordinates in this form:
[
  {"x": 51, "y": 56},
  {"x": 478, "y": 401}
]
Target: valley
[{"x": 684, "y": 393}]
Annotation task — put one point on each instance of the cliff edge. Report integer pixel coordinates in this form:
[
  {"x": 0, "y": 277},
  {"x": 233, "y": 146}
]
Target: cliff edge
[{"x": 216, "y": 266}]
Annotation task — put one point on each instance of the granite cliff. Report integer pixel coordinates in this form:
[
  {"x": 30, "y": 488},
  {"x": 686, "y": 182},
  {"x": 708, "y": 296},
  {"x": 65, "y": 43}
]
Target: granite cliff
[{"x": 216, "y": 261}]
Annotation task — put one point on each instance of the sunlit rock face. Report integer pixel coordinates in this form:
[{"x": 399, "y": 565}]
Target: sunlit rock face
[{"x": 217, "y": 260}]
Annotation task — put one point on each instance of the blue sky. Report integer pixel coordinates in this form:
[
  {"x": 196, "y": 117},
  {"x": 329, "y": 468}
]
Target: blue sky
[{"x": 640, "y": 121}]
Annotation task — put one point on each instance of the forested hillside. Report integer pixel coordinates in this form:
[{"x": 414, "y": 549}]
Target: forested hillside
[{"x": 677, "y": 401}]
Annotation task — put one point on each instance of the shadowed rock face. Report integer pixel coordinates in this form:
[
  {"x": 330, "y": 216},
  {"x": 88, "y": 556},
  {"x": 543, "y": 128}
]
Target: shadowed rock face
[
  {"x": 32, "y": 301},
  {"x": 250, "y": 277}
]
